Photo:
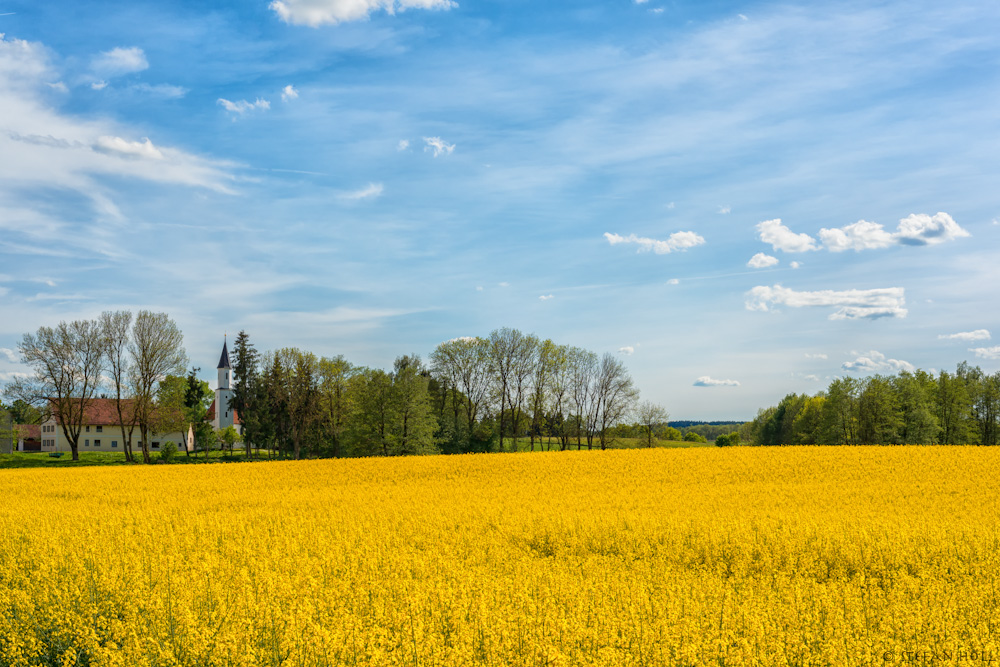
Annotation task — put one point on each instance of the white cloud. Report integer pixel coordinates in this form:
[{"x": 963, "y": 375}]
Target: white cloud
[
  {"x": 862, "y": 235},
  {"x": 99, "y": 85},
  {"x": 725, "y": 210},
  {"x": 795, "y": 265},
  {"x": 241, "y": 107},
  {"x": 6, "y": 352},
  {"x": 876, "y": 362},
  {"x": 289, "y": 93},
  {"x": 706, "y": 381},
  {"x": 762, "y": 261},
  {"x": 676, "y": 241},
  {"x": 479, "y": 288},
  {"x": 403, "y": 144},
  {"x": 504, "y": 284},
  {"x": 57, "y": 86},
  {"x": 546, "y": 297},
  {"x": 314, "y": 13},
  {"x": 627, "y": 350},
  {"x": 438, "y": 145},
  {"x": 164, "y": 90},
  {"x": 853, "y": 304},
  {"x": 372, "y": 190},
  {"x": 45, "y": 147},
  {"x": 968, "y": 336},
  {"x": 811, "y": 377},
  {"x": 119, "y": 61},
  {"x": 674, "y": 281},
  {"x": 923, "y": 229},
  {"x": 917, "y": 229},
  {"x": 782, "y": 238},
  {"x": 128, "y": 149},
  {"x": 818, "y": 355},
  {"x": 986, "y": 352},
  {"x": 672, "y": 206},
  {"x": 743, "y": 17}
]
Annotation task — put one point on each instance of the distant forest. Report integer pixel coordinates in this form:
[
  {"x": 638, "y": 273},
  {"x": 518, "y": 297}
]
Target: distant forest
[{"x": 917, "y": 408}]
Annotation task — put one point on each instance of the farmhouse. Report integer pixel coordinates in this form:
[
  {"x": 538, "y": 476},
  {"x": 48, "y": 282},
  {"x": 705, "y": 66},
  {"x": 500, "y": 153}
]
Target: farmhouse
[{"x": 101, "y": 431}]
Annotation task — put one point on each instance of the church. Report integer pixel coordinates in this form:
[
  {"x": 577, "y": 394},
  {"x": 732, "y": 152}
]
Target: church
[{"x": 224, "y": 416}]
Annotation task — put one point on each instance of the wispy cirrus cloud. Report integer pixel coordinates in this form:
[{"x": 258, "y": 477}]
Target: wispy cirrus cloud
[
  {"x": 676, "y": 241},
  {"x": 850, "y": 304},
  {"x": 707, "y": 381},
  {"x": 241, "y": 107},
  {"x": 129, "y": 149},
  {"x": 876, "y": 362},
  {"x": 119, "y": 61},
  {"x": 314, "y": 13},
  {"x": 438, "y": 145},
  {"x": 370, "y": 191},
  {"x": 967, "y": 336}
]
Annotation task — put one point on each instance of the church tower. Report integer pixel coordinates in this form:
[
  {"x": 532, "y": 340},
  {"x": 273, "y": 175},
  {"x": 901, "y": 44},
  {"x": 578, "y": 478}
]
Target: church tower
[{"x": 224, "y": 392}]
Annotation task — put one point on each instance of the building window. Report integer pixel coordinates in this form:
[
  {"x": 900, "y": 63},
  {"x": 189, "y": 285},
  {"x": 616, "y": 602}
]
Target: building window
[
  {"x": 156, "y": 445},
  {"x": 97, "y": 443},
  {"x": 88, "y": 429},
  {"x": 100, "y": 429},
  {"x": 114, "y": 443}
]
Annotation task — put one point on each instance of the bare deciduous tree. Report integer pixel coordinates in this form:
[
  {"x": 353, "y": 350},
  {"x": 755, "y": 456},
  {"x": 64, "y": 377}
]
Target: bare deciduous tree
[
  {"x": 67, "y": 361},
  {"x": 156, "y": 349}
]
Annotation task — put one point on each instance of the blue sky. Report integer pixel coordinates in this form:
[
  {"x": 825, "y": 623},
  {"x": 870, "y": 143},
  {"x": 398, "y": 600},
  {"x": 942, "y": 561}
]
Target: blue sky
[{"x": 743, "y": 199}]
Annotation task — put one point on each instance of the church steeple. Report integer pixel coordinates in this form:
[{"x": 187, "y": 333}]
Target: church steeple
[{"x": 224, "y": 359}]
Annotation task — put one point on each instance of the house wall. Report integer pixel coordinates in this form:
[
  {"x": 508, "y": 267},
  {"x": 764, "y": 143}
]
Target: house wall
[{"x": 103, "y": 438}]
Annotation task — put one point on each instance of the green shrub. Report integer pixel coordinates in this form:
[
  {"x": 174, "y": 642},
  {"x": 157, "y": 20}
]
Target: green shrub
[
  {"x": 168, "y": 452},
  {"x": 691, "y": 436}
]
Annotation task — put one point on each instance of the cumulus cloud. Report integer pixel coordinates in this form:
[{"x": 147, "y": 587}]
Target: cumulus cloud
[
  {"x": 289, "y": 93},
  {"x": 546, "y": 297},
  {"x": 9, "y": 354},
  {"x": 626, "y": 350},
  {"x": 99, "y": 85},
  {"x": 706, "y": 381},
  {"x": 676, "y": 241},
  {"x": 438, "y": 145},
  {"x": 242, "y": 106},
  {"x": 795, "y": 265},
  {"x": 314, "y": 13},
  {"x": 813, "y": 378},
  {"x": 129, "y": 149},
  {"x": 119, "y": 61},
  {"x": 782, "y": 238},
  {"x": 403, "y": 144},
  {"x": 916, "y": 229},
  {"x": 371, "y": 190},
  {"x": 923, "y": 229},
  {"x": 862, "y": 235},
  {"x": 674, "y": 281},
  {"x": 762, "y": 261},
  {"x": 967, "y": 336},
  {"x": 850, "y": 304},
  {"x": 876, "y": 362},
  {"x": 986, "y": 352},
  {"x": 725, "y": 210}
]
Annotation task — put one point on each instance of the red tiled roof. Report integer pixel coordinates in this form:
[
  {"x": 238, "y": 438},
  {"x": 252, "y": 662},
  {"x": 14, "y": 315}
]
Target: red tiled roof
[
  {"x": 30, "y": 431},
  {"x": 103, "y": 412}
]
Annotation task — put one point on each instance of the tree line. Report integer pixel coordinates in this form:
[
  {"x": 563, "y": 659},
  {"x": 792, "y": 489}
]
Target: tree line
[
  {"x": 917, "y": 408},
  {"x": 476, "y": 394}
]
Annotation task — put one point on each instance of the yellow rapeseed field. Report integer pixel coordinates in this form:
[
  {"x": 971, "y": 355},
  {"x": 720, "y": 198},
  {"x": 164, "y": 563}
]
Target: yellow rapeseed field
[{"x": 785, "y": 556}]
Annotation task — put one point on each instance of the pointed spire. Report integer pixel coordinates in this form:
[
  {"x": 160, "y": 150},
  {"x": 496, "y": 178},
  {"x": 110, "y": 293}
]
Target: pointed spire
[{"x": 224, "y": 359}]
